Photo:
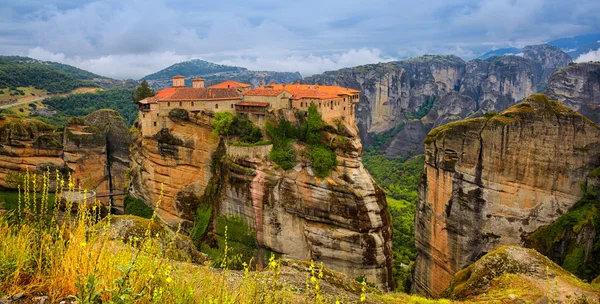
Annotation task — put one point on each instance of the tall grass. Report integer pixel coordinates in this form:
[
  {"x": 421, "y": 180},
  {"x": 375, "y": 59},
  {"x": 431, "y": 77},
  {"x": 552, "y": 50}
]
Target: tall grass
[{"x": 63, "y": 250}]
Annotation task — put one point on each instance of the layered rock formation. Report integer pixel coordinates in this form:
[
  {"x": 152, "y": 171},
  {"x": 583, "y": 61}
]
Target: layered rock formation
[
  {"x": 172, "y": 167},
  {"x": 578, "y": 87},
  {"x": 92, "y": 149},
  {"x": 341, "y": 220},
  {"x": 396, "y": 91},
  {"x": 518, "y": 275},
  {"x": 493, "y": 180}
]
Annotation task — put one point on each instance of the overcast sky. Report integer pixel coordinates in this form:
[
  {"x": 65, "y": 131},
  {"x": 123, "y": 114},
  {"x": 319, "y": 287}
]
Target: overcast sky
[{"x": 129, "y": 39}]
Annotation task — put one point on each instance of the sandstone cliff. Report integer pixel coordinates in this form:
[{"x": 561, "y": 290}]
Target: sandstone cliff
[
  {"x": 341, "y": 220},
  {"x": 396, "y": 92},
  {"x": 493, "y": 180},
  {"x": 93, "y": 149},
  {"x": 578, "y": 87}
]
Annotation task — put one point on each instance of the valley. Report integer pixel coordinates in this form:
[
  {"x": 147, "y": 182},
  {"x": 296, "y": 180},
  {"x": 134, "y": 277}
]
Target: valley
[{"x": 461, "y": 181}]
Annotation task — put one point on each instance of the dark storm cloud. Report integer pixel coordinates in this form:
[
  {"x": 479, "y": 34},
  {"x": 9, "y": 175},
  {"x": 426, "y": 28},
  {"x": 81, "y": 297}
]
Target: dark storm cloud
[{"x": 133, "y": 38}]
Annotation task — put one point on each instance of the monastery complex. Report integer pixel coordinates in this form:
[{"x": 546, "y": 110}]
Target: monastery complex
[{"x": 333, "y": 102}]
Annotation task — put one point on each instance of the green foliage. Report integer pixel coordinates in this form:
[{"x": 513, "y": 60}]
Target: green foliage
[
  {"x": 142, "y": 91},
  {"x": 423, "y": 109},
  {"x": 575, "y": 262},
  {"x": 314, "y": 125},
  {"x": 382, "y": 138},
  {"x": 9, "y": 199},
  {"x": 256, "y": 144},
  {"x": 490, "y": 114},
  {"x": 282, "y": 135},
  {"x": 323, "y": 160},
  {"x": 136, "y": 206},
  {"x": 245, "y": 129},
  {"x": 192, "y": 68},
  {"x": 563, "y": 233},
  {"x": 203, "y": 215},
  {"x": 234, "y": 236},
  {"x": 54, "y": 77},
  {"x": 87, "y": 103},
  {"x": 222, "y": 123}
]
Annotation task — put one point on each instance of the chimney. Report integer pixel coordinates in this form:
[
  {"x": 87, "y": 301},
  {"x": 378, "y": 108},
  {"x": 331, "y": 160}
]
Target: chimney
[
  {"x": 178, "y": 81},
  {"x": 197, "y": 83}
]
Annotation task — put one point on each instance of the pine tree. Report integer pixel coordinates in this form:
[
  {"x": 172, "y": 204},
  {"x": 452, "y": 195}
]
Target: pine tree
[{"x": 142, "y": 91}]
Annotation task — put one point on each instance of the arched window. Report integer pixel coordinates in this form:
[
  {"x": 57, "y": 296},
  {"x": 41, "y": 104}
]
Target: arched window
[
  {"x": 180, "y": 104},
  {"x": 168, "y": 104},
  {"x": 216, "y": 105}
]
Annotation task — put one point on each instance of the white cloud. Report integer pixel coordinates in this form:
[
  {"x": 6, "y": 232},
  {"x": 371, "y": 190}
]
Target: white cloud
[{"x": 590, "y": 56}]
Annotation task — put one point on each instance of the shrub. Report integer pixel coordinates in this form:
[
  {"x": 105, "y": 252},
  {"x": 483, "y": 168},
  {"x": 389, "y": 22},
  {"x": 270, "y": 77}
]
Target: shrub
[
  {"x": 490, "y": 114},
  {"x": 222, "y": 123},
  {"x": 323, "y": 160},
  {"x": 136, "y": 206},
  {"x": 245, "y": 129}
]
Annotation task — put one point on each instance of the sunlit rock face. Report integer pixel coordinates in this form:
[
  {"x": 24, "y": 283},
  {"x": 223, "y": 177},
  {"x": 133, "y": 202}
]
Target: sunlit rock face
[
  {"x": 340, "y": 220},
  {"x": 578, "y": 87},
  {"x": 92, "y": 150},
  {"x": 491, "y": 181}
]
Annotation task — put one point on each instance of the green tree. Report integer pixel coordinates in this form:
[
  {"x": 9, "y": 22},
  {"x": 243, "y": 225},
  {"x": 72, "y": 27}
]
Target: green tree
[
  {"x": 314, "y": 125},
  {"x": 222, "y": 123},
  {"x": 142, "y": 91}
]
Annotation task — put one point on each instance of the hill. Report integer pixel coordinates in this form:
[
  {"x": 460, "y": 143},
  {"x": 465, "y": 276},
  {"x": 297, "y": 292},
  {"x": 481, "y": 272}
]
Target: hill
[
  {"x": 214, "y": 73},
  {"x": 194, "y": 67},
  {"x": 501, "y": 52},
  {"x": 54, "y": 77}
]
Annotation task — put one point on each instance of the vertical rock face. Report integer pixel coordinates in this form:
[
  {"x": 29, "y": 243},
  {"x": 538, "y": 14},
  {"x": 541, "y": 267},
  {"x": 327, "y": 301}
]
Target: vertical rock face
[
  {"x": 578, "y": 87},
  {"x": 172, "y": 167},
  {"x": 93, "y": 149},
  {"x": 341, "y": 220},
  {"x": 547, "y": 58},
  {"x": 490, "y": 182},
  {"x": 394, "y": 92},
  {"x": 391, "y": 90}
]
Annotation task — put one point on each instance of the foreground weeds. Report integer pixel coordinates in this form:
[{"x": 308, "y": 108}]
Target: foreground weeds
[{"x": 61, "y": 250}]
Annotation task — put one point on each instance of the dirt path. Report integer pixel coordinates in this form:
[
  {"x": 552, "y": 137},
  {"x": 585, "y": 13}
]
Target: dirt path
[{"x": 22, "y": 102}]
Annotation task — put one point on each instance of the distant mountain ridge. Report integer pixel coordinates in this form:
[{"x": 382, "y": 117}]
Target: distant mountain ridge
[
  {"x": 501, "y": 52},
  {"x": 54, "y": 77},
  {"x": 192, "y": 68},
  {"x": 214, "y": 73}
]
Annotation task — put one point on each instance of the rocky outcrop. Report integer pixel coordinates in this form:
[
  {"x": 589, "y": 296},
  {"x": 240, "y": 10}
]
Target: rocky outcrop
[
  {"x": 547, "y": 59},
  {"x": 396, "y": 92},
  {"x": 578, "y": 87},
  {"x": 93, "y": 150},
  {"x": 518, "y": 275},
  {"x": 493, "y": 180},
  {"x": 172, "y": 168},
  {"x": 341, "y": 220},
  {"x": 391, "y": 90}
]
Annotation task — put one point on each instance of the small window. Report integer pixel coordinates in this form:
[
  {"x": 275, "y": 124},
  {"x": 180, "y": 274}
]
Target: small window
[
  {"x": 180, "y": 104},
  {"x": 157, "y": 114},
  {"x": 143, "y": 115},
  {"x": 232, "y": 106},
  {"x": 192, "y": 103},
  {"x": 155, "y": 123},
  {"x": 216, "y": 105},
  {"x": 168, "y": 104}
]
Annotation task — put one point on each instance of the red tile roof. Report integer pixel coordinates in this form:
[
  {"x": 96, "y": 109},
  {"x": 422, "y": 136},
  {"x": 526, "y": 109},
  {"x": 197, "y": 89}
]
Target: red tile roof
[
  {"x": 252, "y": 104},
  {"x": 230, "y": 84},
  {"x": 187, "y": 93},
  {"x": 299, "y": 91},
  {"x": 263, "y": 92}
]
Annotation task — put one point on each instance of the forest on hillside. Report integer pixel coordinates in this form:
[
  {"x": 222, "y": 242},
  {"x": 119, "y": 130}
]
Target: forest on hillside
[
  {"x": 53, "y": 77},
  {"x": 83, "y": 104}
]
